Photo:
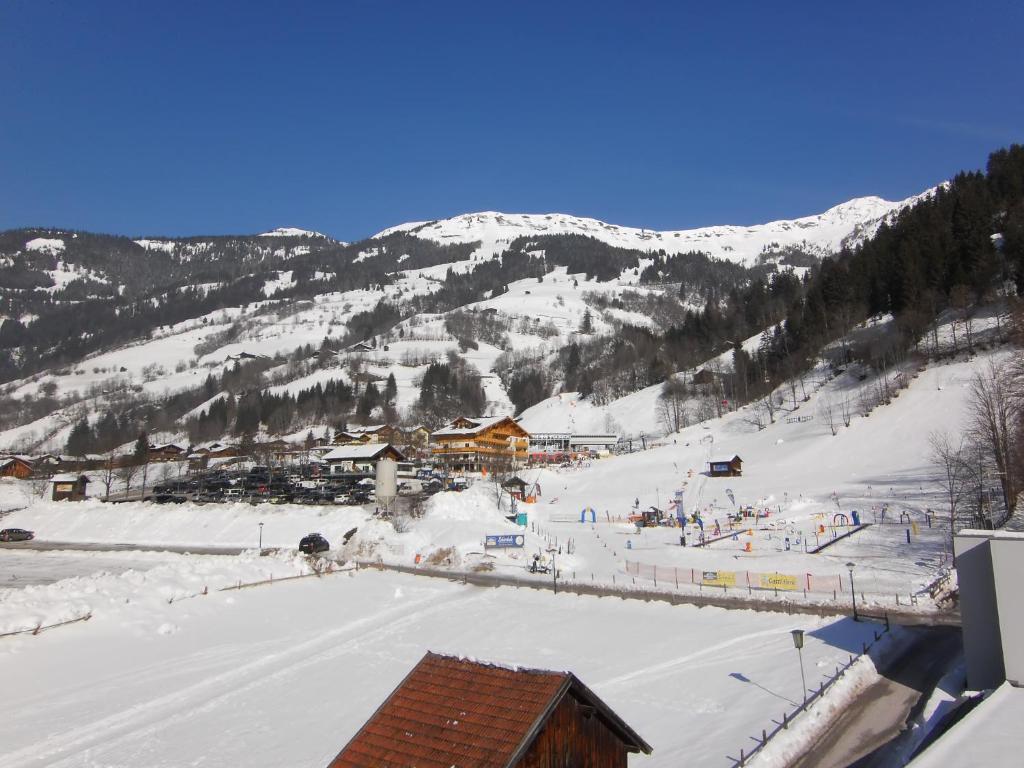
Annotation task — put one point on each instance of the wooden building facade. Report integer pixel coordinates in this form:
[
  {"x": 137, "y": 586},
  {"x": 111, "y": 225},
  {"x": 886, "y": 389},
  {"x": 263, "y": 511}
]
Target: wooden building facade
[
  {"x": 68, "y": 487},
  {"x": 727, "y": 468},
  {"x": 16, "y": 466},
  {"x": 480, "y": 444},
  {"x": 452, "y": 711}
]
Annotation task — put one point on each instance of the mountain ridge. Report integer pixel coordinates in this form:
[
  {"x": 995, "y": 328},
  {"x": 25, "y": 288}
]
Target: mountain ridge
[{"x": 846, "y": 223}]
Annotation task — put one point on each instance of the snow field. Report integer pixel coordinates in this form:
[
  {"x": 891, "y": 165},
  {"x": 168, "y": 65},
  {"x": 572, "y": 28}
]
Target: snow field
[
  {"x": 285, "y": 675},
  {"x": 108, "y": 595}
]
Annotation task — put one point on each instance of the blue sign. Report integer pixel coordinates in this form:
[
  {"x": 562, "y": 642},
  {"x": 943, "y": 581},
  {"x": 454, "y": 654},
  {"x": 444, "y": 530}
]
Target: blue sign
[{"x": 505, "y": 540}]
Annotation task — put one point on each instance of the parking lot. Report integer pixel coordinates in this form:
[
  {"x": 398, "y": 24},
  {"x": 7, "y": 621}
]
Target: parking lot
[{"x": 301, "y": 484}]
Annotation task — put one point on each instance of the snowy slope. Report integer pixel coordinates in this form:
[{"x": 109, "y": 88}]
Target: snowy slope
[{"x": 853, "y": 220}]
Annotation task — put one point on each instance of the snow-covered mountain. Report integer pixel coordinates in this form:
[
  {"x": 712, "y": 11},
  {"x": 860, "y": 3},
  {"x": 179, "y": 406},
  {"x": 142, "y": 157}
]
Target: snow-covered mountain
[{"x": 844, "y": 224}]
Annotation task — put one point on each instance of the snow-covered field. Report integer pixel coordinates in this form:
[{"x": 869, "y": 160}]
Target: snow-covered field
[{"x": 285, "y": 674}]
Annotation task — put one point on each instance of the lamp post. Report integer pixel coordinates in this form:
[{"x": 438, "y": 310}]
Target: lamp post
[
  {"x": 798, "y": 643},
  {"x": 261, "y": 538},
  {"x": 853, "y": 593},
  {"x": 554, "y": 570}
]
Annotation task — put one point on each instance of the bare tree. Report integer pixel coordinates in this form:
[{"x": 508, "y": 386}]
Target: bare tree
[
  {"x": 109, "y": 474},
  {"x": 951, "y": 457},
  {"x": 672, "y": 405},
  {"x": 994, "y": 414},
  {"x": 846, "y": 408},
  {"x": 127, "y": 473},
  {"x": 827, "y": 410}
]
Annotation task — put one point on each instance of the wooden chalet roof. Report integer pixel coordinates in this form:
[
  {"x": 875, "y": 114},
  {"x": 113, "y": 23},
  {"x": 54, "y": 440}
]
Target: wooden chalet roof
[
  {"x": 466, "y": 427},
  {"x": 458, "y": 713},
  {"x": 361, "y": 452}
]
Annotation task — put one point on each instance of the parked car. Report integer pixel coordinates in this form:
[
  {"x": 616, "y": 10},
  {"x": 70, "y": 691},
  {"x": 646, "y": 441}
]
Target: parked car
[
  {"x": 16, "y": 534},
  {"x": 313, "y": 543},
  {"x": 169, "y": 498}
]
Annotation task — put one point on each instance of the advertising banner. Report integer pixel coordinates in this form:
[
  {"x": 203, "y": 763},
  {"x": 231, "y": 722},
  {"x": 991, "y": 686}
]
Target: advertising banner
[
  {"x": 504, "y": 540},
  {"x": 778, "y": 581},
  {"x": 718, "y": 578}
]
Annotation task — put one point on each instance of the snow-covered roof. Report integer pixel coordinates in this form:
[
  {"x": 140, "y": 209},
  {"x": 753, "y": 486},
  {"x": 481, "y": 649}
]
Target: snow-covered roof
[
  {"x": 988, "y": 733},
  {"x": 67, "y": 477},
  {"x": 367, "y": 429},
  {"x": 357, "y": 452},
  {"x": 479, "y": 425}
]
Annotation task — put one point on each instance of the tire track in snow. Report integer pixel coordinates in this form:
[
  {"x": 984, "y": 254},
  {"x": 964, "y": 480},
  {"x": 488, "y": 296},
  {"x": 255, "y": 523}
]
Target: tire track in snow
[
  {"x": 135, "y": 722},
  {"x": 683, "y": 660}
]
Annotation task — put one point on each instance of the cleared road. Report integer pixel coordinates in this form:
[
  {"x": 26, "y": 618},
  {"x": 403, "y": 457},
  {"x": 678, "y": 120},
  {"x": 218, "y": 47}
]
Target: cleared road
[
  {"x": 860, "y": 735},
  {"x": 46, "y": 546}
]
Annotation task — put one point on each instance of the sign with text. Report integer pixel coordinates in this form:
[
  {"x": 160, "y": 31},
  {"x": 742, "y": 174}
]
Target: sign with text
[
  {"x": 778, "y": 581},
  {"x": 504, "y": 540},
  {"x": 718, "y": 578}
]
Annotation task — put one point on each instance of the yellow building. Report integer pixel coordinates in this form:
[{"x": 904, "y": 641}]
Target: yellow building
[{"x": 473, "y": 445}]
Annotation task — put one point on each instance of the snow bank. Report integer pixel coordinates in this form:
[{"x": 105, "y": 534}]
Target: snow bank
[{"x": 126, "y": 594}]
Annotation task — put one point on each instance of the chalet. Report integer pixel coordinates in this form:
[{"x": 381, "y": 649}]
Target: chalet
[
  {"x": 361, "y": 346},
  {"x": 167, "y": 452},
  {"x": 16, "y": 466},
  {"x": 450, "y": 711},
  {"x": 68, "y": 487},
  {"x": 480, "y": 444},
  {"x": 418, "y": 436},
  {"x": 705, "y": 378},
  {"x": 348, "y": 437},
  {"x": 730, "y": 468},
  {"x": 360, "y": 458},
  {"x": 375, "y": 433},
  {"x": 281, "y": 451}
]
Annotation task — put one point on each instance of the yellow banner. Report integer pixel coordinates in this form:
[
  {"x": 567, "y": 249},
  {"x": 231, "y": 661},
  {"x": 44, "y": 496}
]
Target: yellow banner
[
  {"x": 778, "y": 581},
  {"x": 718, "y": 578}
]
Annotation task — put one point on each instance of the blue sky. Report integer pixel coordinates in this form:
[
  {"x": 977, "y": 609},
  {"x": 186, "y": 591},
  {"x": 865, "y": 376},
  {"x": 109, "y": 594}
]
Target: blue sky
[{"x": 346, "y": 117}]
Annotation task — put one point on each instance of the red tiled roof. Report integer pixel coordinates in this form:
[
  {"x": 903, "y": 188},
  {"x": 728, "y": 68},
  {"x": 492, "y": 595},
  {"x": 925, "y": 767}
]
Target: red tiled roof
[{"x": 455, "y": 713}]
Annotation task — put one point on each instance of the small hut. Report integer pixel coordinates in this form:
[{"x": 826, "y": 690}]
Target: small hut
[
  {"x": 69, "y": 486},
  {"x": 730, "y": 468},
  {"x": 453, "y": 711},
  {"x": 514, "y": 486}
]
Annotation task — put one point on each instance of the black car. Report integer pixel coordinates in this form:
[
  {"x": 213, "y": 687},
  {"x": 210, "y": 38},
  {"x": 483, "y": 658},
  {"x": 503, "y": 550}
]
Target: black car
[
  {"x": 16, "y": 534},
  {"x": 169, "y": 498},
  {"x": 313, "y": 543}
]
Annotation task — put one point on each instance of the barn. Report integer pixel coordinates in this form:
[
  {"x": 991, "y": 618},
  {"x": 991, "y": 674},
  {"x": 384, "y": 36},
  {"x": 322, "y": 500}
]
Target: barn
[
  {"x": 69, "y": 486},
  {"x": 451, "y": 711},
  {"x": 727, "y": 468},
  {"x": 16, "y": 466}
]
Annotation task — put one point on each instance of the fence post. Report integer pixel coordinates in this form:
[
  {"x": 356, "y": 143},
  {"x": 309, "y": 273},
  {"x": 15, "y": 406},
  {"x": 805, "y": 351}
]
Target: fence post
[
  {"x": 785, "y": 724},
  {"x": 743, "y": 760}
]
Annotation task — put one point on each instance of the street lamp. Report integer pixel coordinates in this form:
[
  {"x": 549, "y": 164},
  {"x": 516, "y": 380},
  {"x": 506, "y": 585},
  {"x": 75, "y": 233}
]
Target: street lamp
[
  {"x": 261, "y": 538},
  {"x": 554, "y": 570},
  {"x": 798, "y": 643},
  {"x": 853, "y": 593}
]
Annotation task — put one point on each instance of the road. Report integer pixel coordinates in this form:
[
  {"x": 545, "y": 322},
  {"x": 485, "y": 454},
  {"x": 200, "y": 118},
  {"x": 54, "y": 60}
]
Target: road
[
  {"x": 947, "y": 618},
  {"x": 864, "y": 735},
  {"x": 49, "y": 546}
]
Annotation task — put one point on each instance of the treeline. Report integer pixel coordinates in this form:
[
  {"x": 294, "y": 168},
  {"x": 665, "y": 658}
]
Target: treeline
[
  {"x": 961, "y": 247},
  {"x": 242, "y": 415}
]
